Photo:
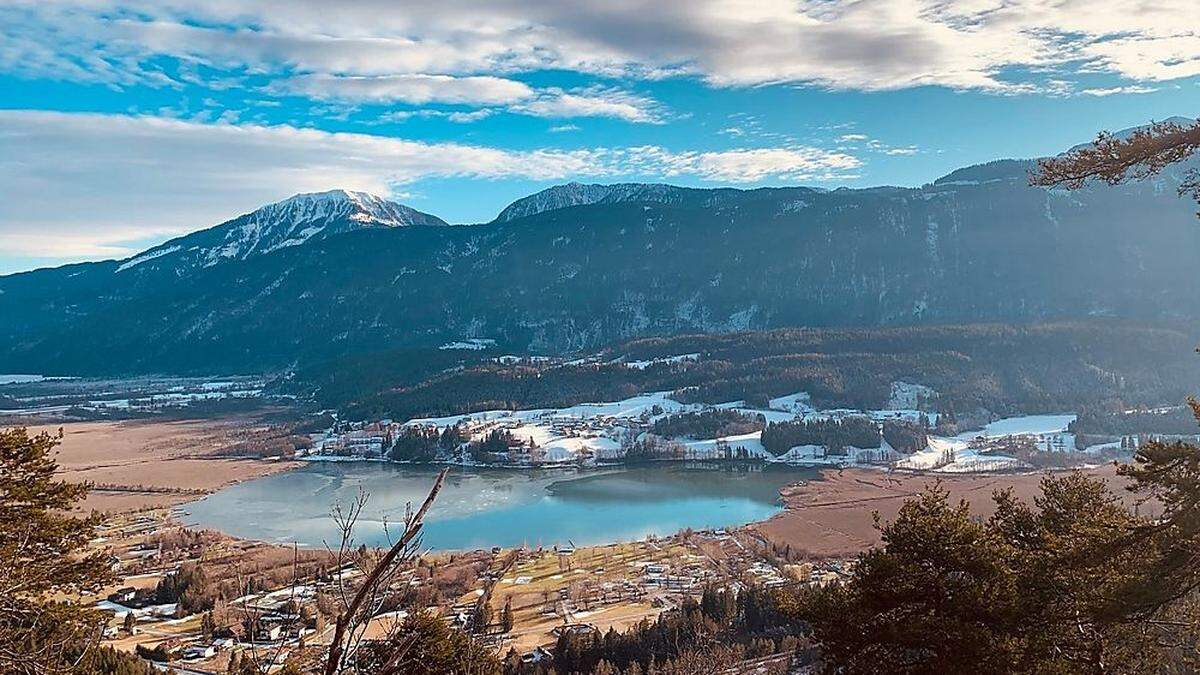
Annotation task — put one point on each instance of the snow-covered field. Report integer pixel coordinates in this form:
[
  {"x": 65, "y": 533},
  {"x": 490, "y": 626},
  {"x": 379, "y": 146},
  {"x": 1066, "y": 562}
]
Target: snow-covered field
[
  {"x": 642, "y": 365},
  {"x": 1035, "y": 425},
  {"x": 952, "y": 455},
  {"x": 144, "y": 395}
]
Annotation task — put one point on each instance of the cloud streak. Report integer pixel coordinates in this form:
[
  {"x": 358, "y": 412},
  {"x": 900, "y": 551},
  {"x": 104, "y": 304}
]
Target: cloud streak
[
  {"x": 76, "y": 184},
  {"x": 551, "y": 102},
  {"x": 381, "y": 48}
]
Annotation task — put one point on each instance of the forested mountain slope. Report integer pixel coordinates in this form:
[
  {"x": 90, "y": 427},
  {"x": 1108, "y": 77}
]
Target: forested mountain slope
[{"x": 579, "y": 267}]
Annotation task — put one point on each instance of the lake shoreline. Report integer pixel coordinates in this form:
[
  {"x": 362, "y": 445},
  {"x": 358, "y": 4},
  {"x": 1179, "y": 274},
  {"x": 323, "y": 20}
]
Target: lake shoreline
[
  {"x": 482, "y": 507},
  {"x": 138, "y": 464}
]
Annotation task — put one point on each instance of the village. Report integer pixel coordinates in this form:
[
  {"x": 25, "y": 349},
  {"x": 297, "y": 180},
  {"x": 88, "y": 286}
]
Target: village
[
  {"x": 170, "y": 606},
  {"x": 205, "y": 602},
  {"x": 631, "y": 430}
]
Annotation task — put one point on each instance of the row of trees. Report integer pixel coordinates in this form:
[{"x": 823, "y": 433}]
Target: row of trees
[
  {"x": 1004, "y": 369},
  {"x": 1094, "y": 421},
  {"x": 907, "y": 437},
  {"x": 710, "y": 423},
  {"x": 837, "y": 435},
  {"x": 748, "y": 623},
  {"x": 426, "y": 443}
]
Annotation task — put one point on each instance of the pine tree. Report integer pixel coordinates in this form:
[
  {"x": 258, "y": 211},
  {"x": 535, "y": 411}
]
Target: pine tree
[
  {"x": 482, "y": 616},
  {"x": 44, "y": 562},
  {"x": 506, "y": 616},
  {"x": 207, "y": 626}
]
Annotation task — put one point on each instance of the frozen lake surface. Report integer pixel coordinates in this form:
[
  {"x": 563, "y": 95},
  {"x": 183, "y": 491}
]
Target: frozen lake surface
[{"x": 480, "y": 508}]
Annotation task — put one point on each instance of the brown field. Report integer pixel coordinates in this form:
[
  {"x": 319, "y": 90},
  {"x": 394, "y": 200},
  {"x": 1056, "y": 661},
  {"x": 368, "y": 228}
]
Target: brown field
[
  {"x": 139, "y": 464},
  {"x": 833, "y": 517}
]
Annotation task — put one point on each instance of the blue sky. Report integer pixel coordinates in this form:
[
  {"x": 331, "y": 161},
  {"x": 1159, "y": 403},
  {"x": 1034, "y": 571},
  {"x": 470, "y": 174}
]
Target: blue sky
[{"x": 126, "y": 122}]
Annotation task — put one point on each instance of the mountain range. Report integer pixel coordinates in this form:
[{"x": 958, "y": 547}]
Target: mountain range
[{"x": 575, "y": 267}]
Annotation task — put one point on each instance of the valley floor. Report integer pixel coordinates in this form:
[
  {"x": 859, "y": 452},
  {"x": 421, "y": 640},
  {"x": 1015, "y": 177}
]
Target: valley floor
[
  {"x": 138, "y": 464},
  {"x": 143, "y": 464}
]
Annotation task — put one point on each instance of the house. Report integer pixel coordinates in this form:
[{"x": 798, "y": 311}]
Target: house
[
  {"x": 199, "y": 652},
  {"x": 267, "y": 633},
  {"x": 538, "y": 655},
  {"x": 574, "y": 629}
]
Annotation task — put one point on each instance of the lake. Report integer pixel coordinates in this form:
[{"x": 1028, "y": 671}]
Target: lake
[{"x": 480, "y": 508}]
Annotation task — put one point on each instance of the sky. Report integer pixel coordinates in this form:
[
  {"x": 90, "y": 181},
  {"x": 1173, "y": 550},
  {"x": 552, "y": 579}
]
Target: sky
[{"x": 124, "y": 123}]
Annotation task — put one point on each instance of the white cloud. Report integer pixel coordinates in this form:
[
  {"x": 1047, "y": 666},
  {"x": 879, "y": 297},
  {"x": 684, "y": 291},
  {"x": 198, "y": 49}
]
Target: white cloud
[
  {"x": 82, "y": 184},
  {"x": 860, "y": 44},
  {"x": 416, "y": 89},
  {"x": 463, "y": 117},
  {"x": 73, "y": 244},
  {"x": 855, "y": 141},
  {"x": 460, "y": 116},
  {"x": 593, "y": 102},
  {"x": 749, "y": 165},
  {"x": 519, "y": 97},
  {"x": 1112, "y": 91}
]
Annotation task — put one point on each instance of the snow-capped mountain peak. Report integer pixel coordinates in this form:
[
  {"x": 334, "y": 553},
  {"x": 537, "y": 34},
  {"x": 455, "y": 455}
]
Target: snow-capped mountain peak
[
  {"x": 578, "y": 194},
  {"x": 581, "y": 194},
  {"x": 362, "y": 207},
  {"x": 290, "y": 222}
]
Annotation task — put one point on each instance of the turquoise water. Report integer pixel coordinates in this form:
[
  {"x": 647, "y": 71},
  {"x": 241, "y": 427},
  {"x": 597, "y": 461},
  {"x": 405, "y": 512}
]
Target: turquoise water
[{"x": 483, "y": 508}]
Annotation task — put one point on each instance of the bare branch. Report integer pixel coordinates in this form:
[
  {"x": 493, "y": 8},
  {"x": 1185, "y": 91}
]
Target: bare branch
[
  {"x": 1114, "y": 160},
  {"x": 337, "y": 649}
]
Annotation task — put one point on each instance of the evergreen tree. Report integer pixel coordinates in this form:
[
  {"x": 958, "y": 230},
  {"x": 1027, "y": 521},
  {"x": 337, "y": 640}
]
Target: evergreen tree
[
  {"x": 432, "y": 648},
  {"x": 506, "y": 616},
  {"x": 208, "y": 626},
  {"x": 44, "y": 562},
  {"x": 1057, "y": 586}
]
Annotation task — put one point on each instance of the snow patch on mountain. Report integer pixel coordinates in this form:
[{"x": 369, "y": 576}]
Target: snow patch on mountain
[
  {"x": 149, "y": 255},
  {"x": 298, "y": 219},
  {"x": 908, "y": 395},
  {"x": 580, "y": 194},
  {"x": 291, "y": 222}
]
